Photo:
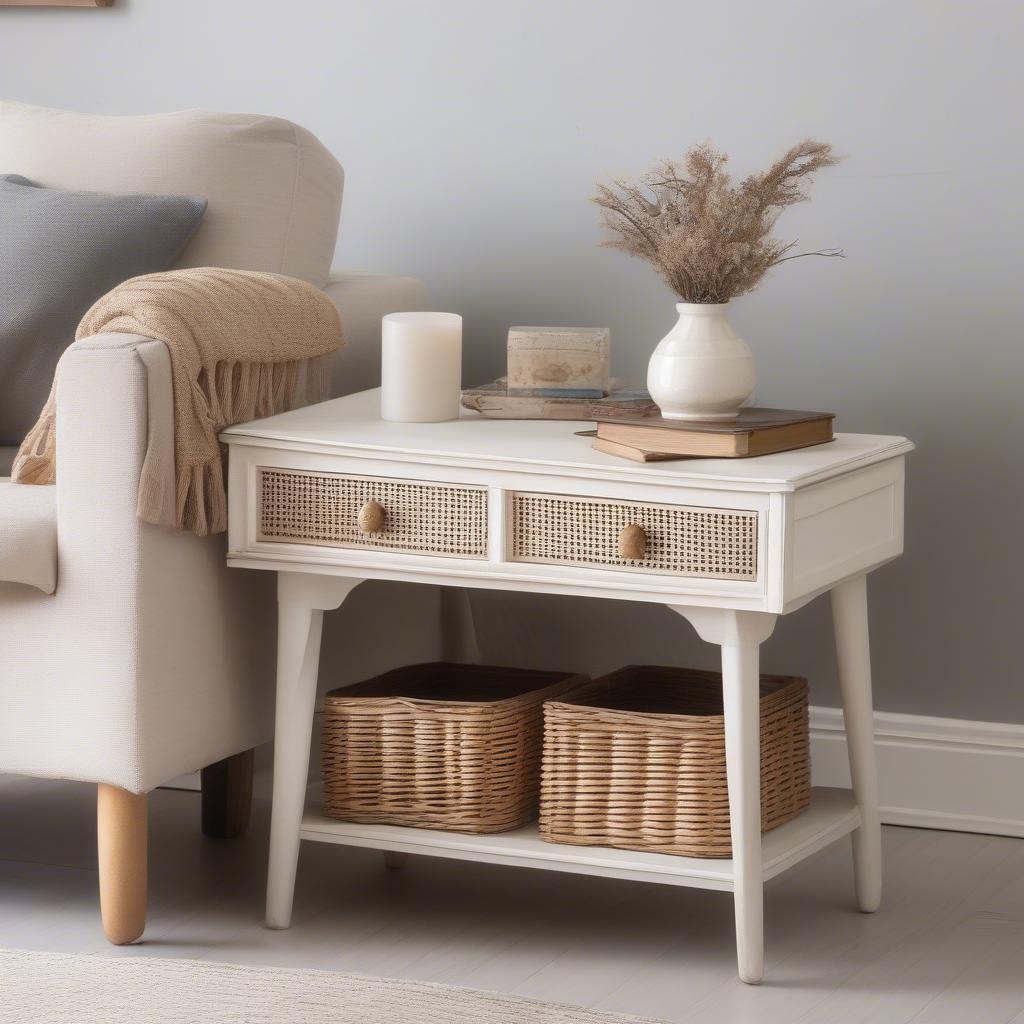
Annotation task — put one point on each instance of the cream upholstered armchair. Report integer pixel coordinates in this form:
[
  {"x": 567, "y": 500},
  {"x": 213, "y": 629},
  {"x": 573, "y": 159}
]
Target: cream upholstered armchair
[{"x": 130, "y": 655}]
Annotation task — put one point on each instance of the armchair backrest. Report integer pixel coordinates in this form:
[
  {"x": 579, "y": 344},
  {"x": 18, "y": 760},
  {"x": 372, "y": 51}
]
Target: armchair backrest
[{"x": 274, "y": 191}]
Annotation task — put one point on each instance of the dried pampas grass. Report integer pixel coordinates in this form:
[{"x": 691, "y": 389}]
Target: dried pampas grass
[{"x": 710, "y": 239}]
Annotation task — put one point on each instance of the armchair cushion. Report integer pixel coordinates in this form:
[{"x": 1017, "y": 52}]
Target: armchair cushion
[
  {"x": 28, "y": 535},
  {"x": 59, "y": 252}
]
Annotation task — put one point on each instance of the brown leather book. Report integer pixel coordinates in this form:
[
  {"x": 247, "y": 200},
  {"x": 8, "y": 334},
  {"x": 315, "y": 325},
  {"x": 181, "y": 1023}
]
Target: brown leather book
[{"x": 753, "y": 432}]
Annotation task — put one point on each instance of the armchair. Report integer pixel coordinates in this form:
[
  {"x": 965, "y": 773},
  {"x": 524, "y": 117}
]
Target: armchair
[{"x": 129, "y": 655}]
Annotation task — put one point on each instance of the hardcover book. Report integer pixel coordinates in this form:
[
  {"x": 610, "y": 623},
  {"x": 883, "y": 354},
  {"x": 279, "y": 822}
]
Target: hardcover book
[
  {"x": 496, "y": 401},
  {"x": 753, "y": 432},
  {"x": 625, "y": 451}
]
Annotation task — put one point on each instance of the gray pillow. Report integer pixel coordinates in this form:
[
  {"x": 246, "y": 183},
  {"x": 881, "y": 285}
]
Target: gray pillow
[{"x": 59, "y": 252}]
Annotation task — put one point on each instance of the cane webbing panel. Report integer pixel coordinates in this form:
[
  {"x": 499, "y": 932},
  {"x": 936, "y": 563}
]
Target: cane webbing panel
[
  {"x": 709, "y": 542},
  {"x": 303, "y": 507}
]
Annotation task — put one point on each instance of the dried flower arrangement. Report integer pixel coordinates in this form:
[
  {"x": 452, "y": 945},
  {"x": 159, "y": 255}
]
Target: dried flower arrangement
[{"x": 711, "y": 240}]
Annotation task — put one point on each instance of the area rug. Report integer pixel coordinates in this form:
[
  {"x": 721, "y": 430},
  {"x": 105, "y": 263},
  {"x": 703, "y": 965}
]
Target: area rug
[{"x": 58, "y": 988}]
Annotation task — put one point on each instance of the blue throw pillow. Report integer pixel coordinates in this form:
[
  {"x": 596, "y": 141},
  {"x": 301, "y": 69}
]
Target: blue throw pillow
[{"x": 59, "y": 252}]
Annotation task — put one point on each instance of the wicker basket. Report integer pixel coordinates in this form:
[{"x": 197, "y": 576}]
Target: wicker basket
[
  {"x": 442, "y": 746},
  {"x": 636, "y": 760}
]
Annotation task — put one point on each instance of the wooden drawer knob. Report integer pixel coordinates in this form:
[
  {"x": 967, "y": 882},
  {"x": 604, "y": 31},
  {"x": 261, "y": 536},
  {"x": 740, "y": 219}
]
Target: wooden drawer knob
[
  {"x": 371, "y": 517},
  {"x": 632, "y": 542}
]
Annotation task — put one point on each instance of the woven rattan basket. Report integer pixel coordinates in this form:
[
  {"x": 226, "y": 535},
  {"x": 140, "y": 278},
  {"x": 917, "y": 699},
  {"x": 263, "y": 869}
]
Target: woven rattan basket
[
  {"x": 636, "y": 760},
  {"x": 442, "y": 746}
]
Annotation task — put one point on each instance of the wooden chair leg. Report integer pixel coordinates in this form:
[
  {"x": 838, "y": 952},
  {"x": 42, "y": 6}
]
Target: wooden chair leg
[
  {"x": 121, "y": 827},
  {"x": 227, "y": 796}
]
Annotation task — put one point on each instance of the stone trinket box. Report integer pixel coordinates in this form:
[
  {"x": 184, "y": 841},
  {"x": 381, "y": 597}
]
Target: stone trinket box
[{"x": 557, "y": 362}]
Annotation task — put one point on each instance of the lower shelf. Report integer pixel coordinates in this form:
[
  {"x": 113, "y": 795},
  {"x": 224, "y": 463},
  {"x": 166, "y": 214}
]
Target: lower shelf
[{"x": 832, "y": 815}]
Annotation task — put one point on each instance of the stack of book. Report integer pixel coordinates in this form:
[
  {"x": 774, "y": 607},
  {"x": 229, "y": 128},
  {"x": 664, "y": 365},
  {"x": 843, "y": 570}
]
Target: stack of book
[
  {"x": 652, "y": 438},
  {"x": 498, "y": 401}
]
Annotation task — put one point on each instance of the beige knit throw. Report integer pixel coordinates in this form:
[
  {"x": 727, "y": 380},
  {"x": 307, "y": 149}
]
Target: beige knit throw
[{"x": 242, "y": 345}]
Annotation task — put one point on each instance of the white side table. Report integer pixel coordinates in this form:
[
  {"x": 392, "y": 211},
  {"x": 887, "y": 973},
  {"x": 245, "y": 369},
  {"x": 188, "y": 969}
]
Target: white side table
[{"x": 526, "y": 505}]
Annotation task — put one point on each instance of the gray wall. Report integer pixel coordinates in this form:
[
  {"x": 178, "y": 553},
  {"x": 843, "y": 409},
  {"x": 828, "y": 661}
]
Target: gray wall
[{"x": 472, "y": 133}]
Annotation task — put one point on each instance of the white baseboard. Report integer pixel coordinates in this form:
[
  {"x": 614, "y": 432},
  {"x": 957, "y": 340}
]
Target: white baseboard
[{"x": 933, "y": 772}]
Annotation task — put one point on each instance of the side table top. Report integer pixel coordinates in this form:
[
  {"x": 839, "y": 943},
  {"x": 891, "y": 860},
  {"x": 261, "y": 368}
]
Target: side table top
[{"x": 352, "y": 424}]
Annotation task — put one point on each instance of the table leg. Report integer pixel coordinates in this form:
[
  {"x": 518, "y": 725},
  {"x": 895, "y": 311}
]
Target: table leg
[
  {"x": 743, "y": 768},
  {"x": 739, "y": 635},
  {"x": 302, "y": 600},
  {"x": 459, "y": 638},
  {"x": 853, "y": 651}
]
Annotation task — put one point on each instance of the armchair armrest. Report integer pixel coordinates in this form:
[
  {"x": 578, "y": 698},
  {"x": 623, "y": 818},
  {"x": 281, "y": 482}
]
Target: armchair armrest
[
  {"x": 362, "y": 299},
  {"x": 151, "y": 659},
  {"x": 71, "y": 660},
  {"x": 129, "y": 367}
]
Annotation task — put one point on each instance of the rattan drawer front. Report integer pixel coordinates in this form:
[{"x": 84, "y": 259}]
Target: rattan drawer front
[
  {"x": 305, "y": 507},
  {"x": 712, "y": 543}
]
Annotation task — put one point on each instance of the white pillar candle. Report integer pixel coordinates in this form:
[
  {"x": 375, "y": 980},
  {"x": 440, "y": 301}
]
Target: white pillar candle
[{"x": 421, "y": 367}]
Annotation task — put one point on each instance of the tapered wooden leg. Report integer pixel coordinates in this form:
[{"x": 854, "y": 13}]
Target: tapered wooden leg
[
  {"x": 740, "y": 635},
  {"x": 121, "y": 820},
  {"x": 853, "y": 651},
  {"x": 301, "y": 601},
  {"x": 227, "y": 796},
  {"x": 298, "y": 658},
  {"x": 740, "y": 675}
]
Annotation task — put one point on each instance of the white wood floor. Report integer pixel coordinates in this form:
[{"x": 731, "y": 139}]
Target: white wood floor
[{"x": 947, "y": 946}]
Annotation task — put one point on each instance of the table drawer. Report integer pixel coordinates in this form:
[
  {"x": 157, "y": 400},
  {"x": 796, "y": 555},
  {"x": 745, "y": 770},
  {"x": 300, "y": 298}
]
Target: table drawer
[
  {"x": 307, "y": 507},
  {"x": 711, "y": 543}
]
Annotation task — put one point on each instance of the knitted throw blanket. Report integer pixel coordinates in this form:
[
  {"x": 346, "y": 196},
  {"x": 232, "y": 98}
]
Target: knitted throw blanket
[{"x": 242, "y": 344}]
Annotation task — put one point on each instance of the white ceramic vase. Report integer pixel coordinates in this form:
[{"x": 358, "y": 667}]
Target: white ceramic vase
[{"x": 702, "y": 369}]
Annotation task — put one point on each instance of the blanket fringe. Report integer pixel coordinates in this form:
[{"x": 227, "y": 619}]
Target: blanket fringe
[
  {"x": 225, "y": 394},
  {"x": 36, "y": 461}
]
